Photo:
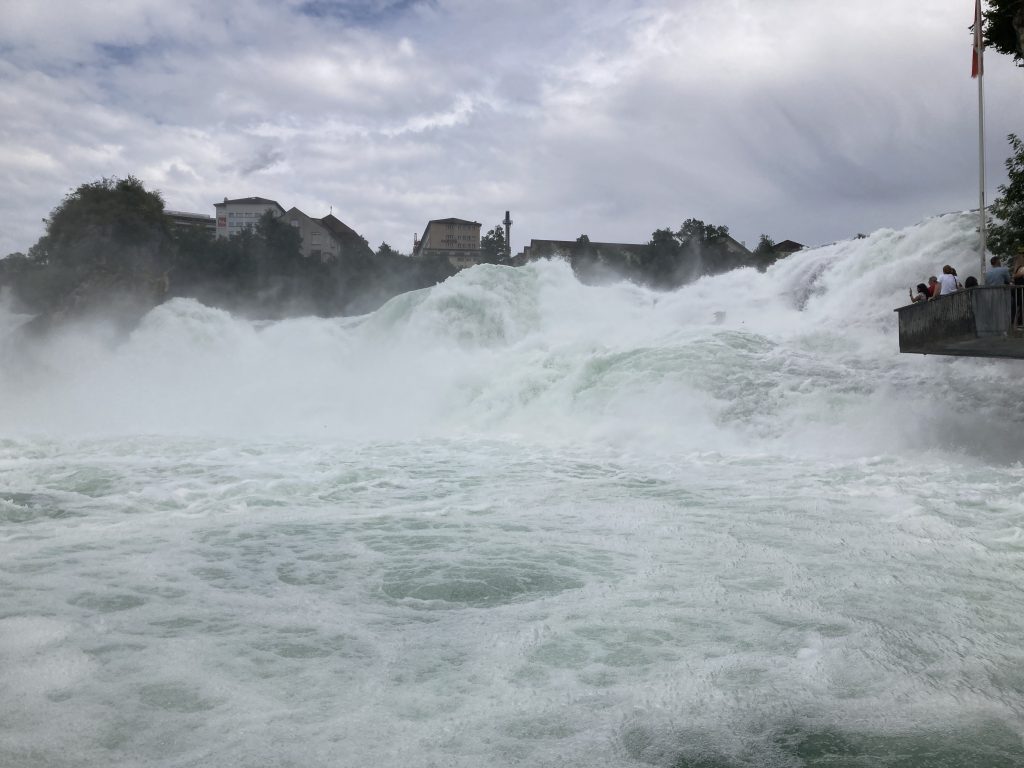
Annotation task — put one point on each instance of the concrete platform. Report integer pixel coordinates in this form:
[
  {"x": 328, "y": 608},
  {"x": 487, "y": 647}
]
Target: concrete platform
[{"x": 974, "y": 322}]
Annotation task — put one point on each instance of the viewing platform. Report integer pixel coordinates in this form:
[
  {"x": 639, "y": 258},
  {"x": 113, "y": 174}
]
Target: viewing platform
[{"x": 973, "y": 322}]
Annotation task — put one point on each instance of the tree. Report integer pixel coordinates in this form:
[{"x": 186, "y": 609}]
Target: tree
[
  {"x": 663, "y": 256},
  {"x": 707, "y": 249},
  {"x": 385, "y": 251},
  {"x": 764, "y": 246},
  {"x": 1004, "y": 28},
  {"x": 1006, "y": 234},
  {"x": 696, "y": 232},
  {"x": 120, "y": 210},
  {"x": 492, "y": 245},
  {"x": 106, "y": 240},
  {"x": 283, "y": 242}
]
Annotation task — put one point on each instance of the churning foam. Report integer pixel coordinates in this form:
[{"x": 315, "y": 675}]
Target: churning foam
[{"x": 784, "y": 360}]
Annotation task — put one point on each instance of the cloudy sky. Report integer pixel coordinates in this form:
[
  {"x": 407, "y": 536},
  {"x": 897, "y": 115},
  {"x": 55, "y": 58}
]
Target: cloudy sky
[{"x": 801, "y": 119}]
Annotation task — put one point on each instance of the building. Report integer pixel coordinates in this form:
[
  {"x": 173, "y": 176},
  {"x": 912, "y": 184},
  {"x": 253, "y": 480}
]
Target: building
[
  {"x": 326, "y": 239},
  {"x": 786, "y": 247},
  {"x": 567, "y": 249},
  {"x": 456, "y": 239},
  {"x": 235, "y": 216},
  {"x": 735, "y": 248},
  {"x": 184, "y": 220}
]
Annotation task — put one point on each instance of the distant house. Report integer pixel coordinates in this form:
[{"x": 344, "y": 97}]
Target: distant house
[
  {"x": 456, "y": 239},
  {"x": 326, "y": 239},
  {"x": 235, "y": 216},
  {"x": 786, "y": 247},
  {"x": 183, "y": 220},
  {"x": 609, "y": 252},
  {"x": 568, "y": 249},
  {"x": 734, "y": 247}
]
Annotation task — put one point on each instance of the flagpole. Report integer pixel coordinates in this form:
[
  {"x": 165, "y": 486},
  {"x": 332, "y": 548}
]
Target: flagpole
[
  {"x": 979, "y": 47},
  {"x": 981, "y": 165}
]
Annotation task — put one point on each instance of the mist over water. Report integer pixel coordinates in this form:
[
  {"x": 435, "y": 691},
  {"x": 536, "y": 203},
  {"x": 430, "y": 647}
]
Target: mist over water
[{"x": 514, "y": 519}]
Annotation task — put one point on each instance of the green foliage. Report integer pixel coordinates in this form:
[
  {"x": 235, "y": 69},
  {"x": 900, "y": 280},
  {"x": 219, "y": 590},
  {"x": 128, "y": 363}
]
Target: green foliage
[
  {"x": 1004, "y": 28},
  {"x": 116, "y": 210},
  {"x": 107, "y": 240},
  {"x": 663, "y": 257},
  {"x": 110, "y": 238},
  {"x": 492, "y": 245},
  {"x": 696, "y": 232},
  {"x": 282, "y": 242},
  {"x": 385, "y": 251},
  {"x": 1006, "y": 234},
  {"x": 764, "y": 246}
]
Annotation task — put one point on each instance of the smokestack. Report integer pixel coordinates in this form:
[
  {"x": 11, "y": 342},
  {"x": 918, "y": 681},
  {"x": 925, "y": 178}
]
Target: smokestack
[{"x": 508, "y": 236}]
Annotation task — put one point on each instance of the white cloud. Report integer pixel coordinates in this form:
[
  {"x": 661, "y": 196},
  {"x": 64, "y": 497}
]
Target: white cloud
[{"x": 797, "y": 118}]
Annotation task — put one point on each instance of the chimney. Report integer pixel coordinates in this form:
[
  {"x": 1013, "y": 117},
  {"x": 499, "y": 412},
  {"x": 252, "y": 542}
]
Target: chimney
[{"x": 508, "y": 236}]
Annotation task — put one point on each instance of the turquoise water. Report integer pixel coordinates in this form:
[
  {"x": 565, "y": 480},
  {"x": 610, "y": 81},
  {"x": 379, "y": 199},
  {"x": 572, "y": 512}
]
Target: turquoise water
[{"x": 514, "y": 520}]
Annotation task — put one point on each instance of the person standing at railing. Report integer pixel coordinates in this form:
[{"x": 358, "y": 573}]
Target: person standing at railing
[
  {"x": 933, "y": 287},
  {"x": 947, "y": 281},
  {"x": 956, "y": 278},
  {"x": 1017, "y": 297},
  {"x": 921, "y": 295},
  {"x": 997, "y": 274}
]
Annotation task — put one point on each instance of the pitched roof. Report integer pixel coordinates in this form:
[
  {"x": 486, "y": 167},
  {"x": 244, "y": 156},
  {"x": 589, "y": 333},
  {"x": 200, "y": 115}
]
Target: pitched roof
[
  {"x": 251, "y": 201},
  {"x": 336, "y": 226},
  {"x": 788, "y": 246},
  {"x": 737, "y": 245},
  {"x": 452, "y": 221}
]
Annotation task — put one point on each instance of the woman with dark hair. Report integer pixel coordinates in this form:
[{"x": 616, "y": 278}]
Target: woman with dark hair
[
  {"x": 922, "y": 293},
  {"x": 971, "y": 282}
]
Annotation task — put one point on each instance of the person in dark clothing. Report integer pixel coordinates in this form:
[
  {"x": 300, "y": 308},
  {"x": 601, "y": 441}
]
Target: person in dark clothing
[{"x": 1017, "y": 297}]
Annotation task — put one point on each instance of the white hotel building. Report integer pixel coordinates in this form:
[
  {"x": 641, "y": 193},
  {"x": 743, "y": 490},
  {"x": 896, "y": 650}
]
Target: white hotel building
[{"x": 233, "y": 216}]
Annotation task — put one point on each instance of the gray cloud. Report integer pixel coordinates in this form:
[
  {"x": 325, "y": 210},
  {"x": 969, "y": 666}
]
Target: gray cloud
[{"x": 798, "y": 119}]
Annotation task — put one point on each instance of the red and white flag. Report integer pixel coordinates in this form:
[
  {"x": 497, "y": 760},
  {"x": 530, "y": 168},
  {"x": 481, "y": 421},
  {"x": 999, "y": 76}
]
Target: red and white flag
[{"x": 977, "y": 67}]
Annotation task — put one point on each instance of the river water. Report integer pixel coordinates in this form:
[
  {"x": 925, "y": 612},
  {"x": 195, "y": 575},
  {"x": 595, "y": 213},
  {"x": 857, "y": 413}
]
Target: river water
[{"x": 517, "y": 520}]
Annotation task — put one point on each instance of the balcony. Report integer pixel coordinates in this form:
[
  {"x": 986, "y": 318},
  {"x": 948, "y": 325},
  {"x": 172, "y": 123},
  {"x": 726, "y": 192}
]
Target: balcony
[{"x": 974, "y": 322}]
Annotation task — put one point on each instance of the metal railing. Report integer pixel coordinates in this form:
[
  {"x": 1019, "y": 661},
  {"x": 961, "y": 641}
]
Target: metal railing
[{"x": 979, "y": 321}]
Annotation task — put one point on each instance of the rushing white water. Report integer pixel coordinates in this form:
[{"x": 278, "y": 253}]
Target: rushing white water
[{"x": 516, "y": 520}]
